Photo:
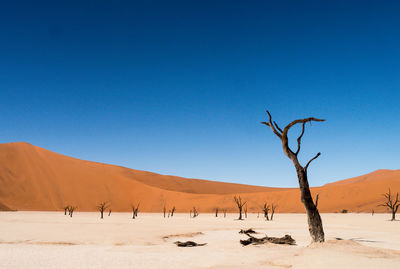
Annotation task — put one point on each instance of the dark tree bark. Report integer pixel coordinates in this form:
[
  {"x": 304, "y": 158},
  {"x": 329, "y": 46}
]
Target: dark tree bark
[
  {"x": 65, "y": 209},
  {"x": 135, "y": 210},
  {"x": 101, "y": 207},
  {"x": 165, "y": 210},
  {"x": 173, "y": 211},
  {"x": 240, "y": 204},
  {"x": 314, "y": 219},
  {"x": 195, "y": 212},
  {"x": 287, "y": 239},
  {"x": 393, "y": 205},
  {"x": 216, "y": 212},
  {"x": 266, "y": 210},
  {"x": 71, "y": 210},
  {"x": 273, "y": 207}
]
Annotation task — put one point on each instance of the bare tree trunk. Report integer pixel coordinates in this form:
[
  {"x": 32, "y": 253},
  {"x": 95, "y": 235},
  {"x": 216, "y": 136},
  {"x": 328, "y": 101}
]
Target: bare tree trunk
[
  {"x": 314, "y": 220},
  {"x": 101, "y": 214}
]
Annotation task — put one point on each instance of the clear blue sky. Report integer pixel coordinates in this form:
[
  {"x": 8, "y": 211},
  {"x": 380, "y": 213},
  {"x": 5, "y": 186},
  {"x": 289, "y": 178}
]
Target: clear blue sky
[{"x": 181, "y": 88}]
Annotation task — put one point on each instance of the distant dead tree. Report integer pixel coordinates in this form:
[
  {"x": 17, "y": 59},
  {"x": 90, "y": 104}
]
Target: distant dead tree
[
  {"x": 245, "y": 211},
  {"x": 266, "y": 210},
  {"x": 216, "y": 212},
  {"x": 314, "y": 219},
  {"x": 273, "y": 207},
  {"x": 224, "y": 211},
  {"x": 65, "y": 209},
  {"x": 373, "y": 212},
  {"x": 391, "y": 203},
  {"x": 135, "y": 210},
  {"x": 165, "y": 210},
  {"x": 316, "y": 200},
  {"x": 71, "y": 210},
  {"x": 240, "y": 204},
  {"x": 173, "y": 211},
  {"x": 101, "y": 207},
  {"x": 109, "y": 212},
  {"x": 195, "y": 212}
]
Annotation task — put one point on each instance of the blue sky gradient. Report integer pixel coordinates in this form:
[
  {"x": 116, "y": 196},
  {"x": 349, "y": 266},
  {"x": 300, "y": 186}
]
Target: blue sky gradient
[{"x": 181, "y": 88}]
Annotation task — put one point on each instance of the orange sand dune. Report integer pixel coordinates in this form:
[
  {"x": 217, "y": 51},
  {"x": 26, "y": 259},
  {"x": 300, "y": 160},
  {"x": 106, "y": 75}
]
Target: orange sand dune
[{"x": 32, "y": 178}]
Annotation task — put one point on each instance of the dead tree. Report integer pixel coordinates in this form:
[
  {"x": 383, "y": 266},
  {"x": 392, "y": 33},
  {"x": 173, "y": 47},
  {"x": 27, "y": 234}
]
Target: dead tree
[
  {"x": 65, "y": 209},
  {"x": 165, "y": 210},
  {"x": 240, "y": 204},
  {"x": 135, "y": 210},
  {"x": 224, "y": 211},
  {"x": 273, "y": 207},
  {"x": 173, "y": 211},
  {"x": 109, "y": 212},
  {"x": 71, "y": 210},
  {"x": 216, "y": 212},
  {"x": 314, "y": 219},
  {"x": 266, "y": 210},
  {"x": 316, "y": 200},
  {"x": 391, "y": 203},
  {"x": 101, "y": 207},
  {"x": 195, "y": 212},
  {"x": 245, "y": 211}
]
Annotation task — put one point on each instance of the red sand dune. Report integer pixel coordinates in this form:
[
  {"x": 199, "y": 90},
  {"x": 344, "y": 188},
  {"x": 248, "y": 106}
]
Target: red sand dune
[{"x": 32, "y": 178}]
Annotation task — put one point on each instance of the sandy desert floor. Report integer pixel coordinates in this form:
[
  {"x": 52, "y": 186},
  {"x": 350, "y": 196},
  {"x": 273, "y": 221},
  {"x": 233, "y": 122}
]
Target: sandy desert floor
[{"x": 52, "y": 240}]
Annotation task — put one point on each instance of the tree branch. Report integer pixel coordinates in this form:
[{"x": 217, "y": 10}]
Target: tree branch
[
  {"x": 270, "y": 124},
  {"x": 316, "y": 156},
  {"x": 299, "y": 139}
]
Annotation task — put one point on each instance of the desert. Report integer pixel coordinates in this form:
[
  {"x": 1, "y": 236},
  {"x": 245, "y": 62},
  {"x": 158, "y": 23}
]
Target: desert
[
  {"x": 200, "y": 134},
  {"x": 53, "y": 240},
  {"x": 37, "y": 233}
]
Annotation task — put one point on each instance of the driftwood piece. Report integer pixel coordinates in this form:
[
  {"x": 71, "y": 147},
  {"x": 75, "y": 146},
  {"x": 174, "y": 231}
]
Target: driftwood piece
[
  {"x": 248, "y": 231},
  {"x": 287, "y": 239},
  {"x": 188, "y": 244}
]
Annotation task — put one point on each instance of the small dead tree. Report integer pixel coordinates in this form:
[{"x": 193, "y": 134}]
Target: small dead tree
[
  {"x": 240, "y": 204},
  {"x": 71, "y": 210},
  {"x": 391, "y": 203},
  {"x": 245, "y": 211},
  {"x": 173, "y": 211},
  {"x": 314, "y": 219},
  {"x": 273, "y": 207},
  {"x": 216, "y": 212},
  {"x": 65, "y": 209},
  {"x": 266, "y": 210},
  {"x": 165, "y": 210},
  {"x": 224, "y": 211},
  {"x": 109, "y": 212},
  {"x": 135, "y": 210},
  {"x": 101, "y": 207},
  {"x": 195, "y": 212}
]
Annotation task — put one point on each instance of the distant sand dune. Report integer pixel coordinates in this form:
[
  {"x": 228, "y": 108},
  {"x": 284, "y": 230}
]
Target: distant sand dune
[{"x": 32, "y": 178}]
